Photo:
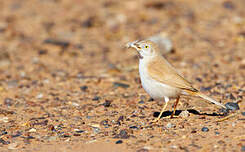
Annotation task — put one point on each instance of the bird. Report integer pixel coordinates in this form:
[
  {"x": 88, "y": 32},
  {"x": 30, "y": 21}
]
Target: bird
[{"x": 160, "y": 79}]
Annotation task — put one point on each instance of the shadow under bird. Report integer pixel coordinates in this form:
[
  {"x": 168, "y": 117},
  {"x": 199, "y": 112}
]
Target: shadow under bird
[{"x": 160, "y": 79}]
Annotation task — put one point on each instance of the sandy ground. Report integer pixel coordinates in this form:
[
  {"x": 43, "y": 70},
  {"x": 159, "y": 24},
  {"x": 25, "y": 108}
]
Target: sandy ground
[{"x": 67, "y": 83}]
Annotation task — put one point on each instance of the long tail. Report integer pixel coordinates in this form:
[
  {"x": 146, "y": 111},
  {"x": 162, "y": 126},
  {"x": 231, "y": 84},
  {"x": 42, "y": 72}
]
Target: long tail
[{"x": 209, "y": 99}]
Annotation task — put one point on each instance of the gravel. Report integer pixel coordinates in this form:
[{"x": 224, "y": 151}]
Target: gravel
[{"x": 205, "y": 129}]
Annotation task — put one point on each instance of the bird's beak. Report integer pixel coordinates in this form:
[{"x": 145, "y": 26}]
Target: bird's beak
[{"x": 134, "y": 45}]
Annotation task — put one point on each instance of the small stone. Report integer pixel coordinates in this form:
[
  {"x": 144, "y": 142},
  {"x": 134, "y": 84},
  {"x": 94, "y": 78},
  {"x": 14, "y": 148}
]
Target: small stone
[
  {"x": 217, "y": 133},
  {"x": 96, "y": 130},
  {"x": 119, "y": 142},
  {"x": 123, "y": 134},
  {"x": 104, "y": 123},
  {"x": 3, "y": 133},
  {"x": 4, "y": 119},
  {"x": 13, "y": 146},
  {"x": 184, "y": 114},
  {"x": 205, "y": 129},
  {"x": 107, "y": 103},
  {"x": 88, "y": 23},
  {"x": 79, "y": 131},
  {"x": 75, "y": 104},
  {"x": 39, "y": 96},
  {"x": 42, "y": 52},
  {"x": 231, "y": 96},
  {"x": 8, "y": 101},
  {"x": 205, "y": 88},
  {"x": 170, "y": 125},
  {"x": 52, "y": 138},
  {"x": 84, "y": 88},
  {"x": 199, "y": 79},
  {"x": 232, "y": 106},
  {"x": 133, "y": 127},
  {"x": 228, "y": 5},
  {"x": 32, "y": 130},
  {"x": 4, "y": 142},
  {"x": 119, "y": 84},
  {"x": 57, "y": 42},
  {"x": 141, "y": 102},
  {"x": 243, "y": 148},
  {"x": 151, "y": 99},
  {"x": 18, "y": 134},
  {"x": 142, "y": 150},
  {"x": 193, "y": 131},
  {"x": 12, "y": 83},
  {"x": 96, "y": 98}
]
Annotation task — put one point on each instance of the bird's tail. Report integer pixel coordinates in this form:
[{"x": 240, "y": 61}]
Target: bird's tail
[{"x": 209, "y": 99}]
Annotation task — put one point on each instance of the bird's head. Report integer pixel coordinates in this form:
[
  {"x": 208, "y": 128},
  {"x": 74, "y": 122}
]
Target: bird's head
[{"x": 145, "y": 48}]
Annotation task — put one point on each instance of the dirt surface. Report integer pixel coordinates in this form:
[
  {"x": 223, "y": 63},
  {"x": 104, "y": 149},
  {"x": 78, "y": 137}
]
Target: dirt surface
[{"x": 67, "y": 83}]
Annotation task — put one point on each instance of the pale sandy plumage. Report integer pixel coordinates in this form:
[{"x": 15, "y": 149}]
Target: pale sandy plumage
[{"x": 159, "y": 79}]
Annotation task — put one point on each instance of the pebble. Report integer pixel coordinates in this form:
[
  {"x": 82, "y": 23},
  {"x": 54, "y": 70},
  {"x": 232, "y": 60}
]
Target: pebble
[
  {"x": 232, "y": 106},
  {"x": 119, "y": 142},
  {"x": 96, "y": 130},
  {"x": 3, "y": 133},
  {"x": 12, "y": 83},
  {"x": 184, "y": 114},
  {"x": 119, "y": 84},
  {"x": 205, "y": 88},
  {"x": 141, "y": 102},
  {"x": 32, "y": 130},
  {"x": 217, "y": 133},
  {"x": 4, "y": 119},
  {"x": 142, "y": 150},
  {"x": 96, "y": 98},
  {"x": 39, "y": 96},
  {"x": 205, "y": 129},
  {"x": 228, "y": 5},
  {"x": 123, "y": 134},
  {"x": 170, "y": 125},
  {"x": 133, "y": 127},
  {"x": 243, "y": 148},
  {"x": 13, "y": 146},
  {"x": 75, "y": 104},
  {"x": 243, "y": 113},
  {"x": 57, "y": 42},
  {"x": 42, "y": 52},
  {"x": 16, "y": 135},
  {"x": 79, "y": 131},
  {"x": 8, "y": 101},
  {"x": 4, "y": 142},
  {"x": 52, "y": 138},
  {"x": 107, "y": 103},
  {"x": 105, "y": 123},
  {"x": 84, "y": 88},
  {"x": 88, "y": 23}
]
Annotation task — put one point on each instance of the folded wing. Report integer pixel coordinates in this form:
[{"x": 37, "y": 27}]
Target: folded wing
[{"x": 159, "y": 69}]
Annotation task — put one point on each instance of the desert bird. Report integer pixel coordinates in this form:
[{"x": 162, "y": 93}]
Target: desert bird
[{"x": 159, "y": 79}]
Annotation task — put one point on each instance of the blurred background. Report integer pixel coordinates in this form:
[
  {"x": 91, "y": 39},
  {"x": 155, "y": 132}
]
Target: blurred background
[{"x": 65, "y": 61}]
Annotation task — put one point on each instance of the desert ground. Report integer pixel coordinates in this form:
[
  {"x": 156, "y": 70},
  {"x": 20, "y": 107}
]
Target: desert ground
[{"x": 68, "y": 83}]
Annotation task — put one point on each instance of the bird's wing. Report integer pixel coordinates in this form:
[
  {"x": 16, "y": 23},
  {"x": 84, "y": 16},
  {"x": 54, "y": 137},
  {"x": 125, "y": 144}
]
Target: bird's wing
[{"x": 159, "y": 69}]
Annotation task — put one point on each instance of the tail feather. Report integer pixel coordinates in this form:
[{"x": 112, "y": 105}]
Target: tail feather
[{"x": 209, "y": 99}]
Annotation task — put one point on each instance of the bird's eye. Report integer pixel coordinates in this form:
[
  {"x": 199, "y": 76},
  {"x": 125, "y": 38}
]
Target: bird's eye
[{"x": 146, "y": 46}]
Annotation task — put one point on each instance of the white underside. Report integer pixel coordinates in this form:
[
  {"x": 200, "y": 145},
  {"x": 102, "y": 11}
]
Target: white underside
[{"x": 154, "y": 88}]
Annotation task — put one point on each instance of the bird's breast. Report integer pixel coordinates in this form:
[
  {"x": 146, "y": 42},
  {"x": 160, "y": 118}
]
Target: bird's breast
[{"x": 154, "y": 88}]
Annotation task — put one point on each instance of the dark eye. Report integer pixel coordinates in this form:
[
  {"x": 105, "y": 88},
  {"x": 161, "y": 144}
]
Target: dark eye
[{"x": 146, "y": 46}]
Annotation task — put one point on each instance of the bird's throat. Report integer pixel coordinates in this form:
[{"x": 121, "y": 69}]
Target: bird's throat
[{"x": 140, "y": 56}]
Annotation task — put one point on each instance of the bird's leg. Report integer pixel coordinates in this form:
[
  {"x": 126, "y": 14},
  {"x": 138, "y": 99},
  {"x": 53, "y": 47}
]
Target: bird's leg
[
  {"x": 164, "y": 107},
  {"x": 175, "y": 106}
]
